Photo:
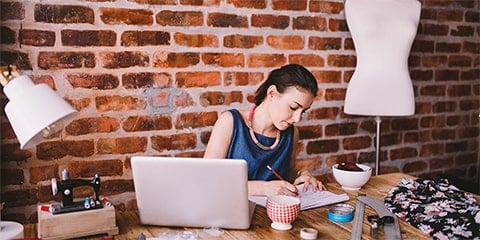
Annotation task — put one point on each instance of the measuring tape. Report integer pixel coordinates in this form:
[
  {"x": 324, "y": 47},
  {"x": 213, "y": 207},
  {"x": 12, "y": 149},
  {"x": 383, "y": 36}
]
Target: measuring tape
[{"x": 392, "y": 230}]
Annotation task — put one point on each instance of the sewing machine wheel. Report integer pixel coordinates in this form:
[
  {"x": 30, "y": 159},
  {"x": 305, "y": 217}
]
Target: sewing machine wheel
[{"x": 54, "y": 186}]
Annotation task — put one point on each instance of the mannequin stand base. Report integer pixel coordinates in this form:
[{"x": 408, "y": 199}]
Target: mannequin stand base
[{"x": 76, "y": 224}]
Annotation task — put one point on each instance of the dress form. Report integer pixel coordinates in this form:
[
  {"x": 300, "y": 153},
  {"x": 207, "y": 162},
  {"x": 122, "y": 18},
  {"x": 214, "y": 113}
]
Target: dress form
[{"x": 383, "y": 32}]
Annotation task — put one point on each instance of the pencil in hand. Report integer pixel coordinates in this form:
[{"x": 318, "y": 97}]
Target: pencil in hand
[{"x": 275, "y": 173}]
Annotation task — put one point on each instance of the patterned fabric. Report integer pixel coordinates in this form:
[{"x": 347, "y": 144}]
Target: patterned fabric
[
  {"x": 436, "y": 207},
  {"x": 243, "y": 147}
]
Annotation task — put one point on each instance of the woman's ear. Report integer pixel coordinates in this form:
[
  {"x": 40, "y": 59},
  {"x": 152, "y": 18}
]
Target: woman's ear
[{"x": 272, "y": 91}]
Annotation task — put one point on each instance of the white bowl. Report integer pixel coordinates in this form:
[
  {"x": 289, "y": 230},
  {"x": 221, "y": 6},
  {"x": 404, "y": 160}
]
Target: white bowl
[{"x": 352, "y": 180}]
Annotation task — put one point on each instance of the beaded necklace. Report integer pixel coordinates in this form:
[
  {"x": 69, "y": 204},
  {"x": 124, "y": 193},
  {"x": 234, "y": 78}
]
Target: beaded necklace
[{"x": 252, "y": 134}]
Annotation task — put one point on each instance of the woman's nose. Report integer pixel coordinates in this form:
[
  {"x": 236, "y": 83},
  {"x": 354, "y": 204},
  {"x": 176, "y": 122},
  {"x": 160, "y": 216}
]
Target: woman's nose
[{"x": 297, "y": 116}]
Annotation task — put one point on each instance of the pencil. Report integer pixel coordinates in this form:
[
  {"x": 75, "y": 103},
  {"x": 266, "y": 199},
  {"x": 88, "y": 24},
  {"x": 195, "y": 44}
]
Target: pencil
[{"x": 275, "y": 173}]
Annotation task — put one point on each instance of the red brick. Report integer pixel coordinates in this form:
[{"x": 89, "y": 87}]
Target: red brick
[
  {"x": 328, "y": 77},
  {"x": 335, "y": 94},
  {"x": 126, "y": 16},
  {"x": 310, "y": 132},
  {"x": 61, "y": 60},
  {"x": 447, "y": 47},
  {"x": 446, "y": 75},
  {"x": 435, "y": 29},
  {"x": 118, "y": 103},
  {"x": 116, "y": 186},
  {"x": 335, "y": 60},
  {"x": 58, "y": 149},
  {"x": 355, "y": 143},
  {"x": 324, "y": 113},
  {"x": 196, "y": 40},
  {"x": 219, "y": 19},
  {"x": 36, "y": 37},
  {"x": 416, "y": 166},
  {"x": 434, "y": 61},
  {"x": 63, "y": 14},
  {"x": 90, "y": 125},
  {"x": 102, "y": 81},
  {"x": 343, "y": 129},
  {"x": 242, "y": 41},
  {"x": 403, "y": 153},
  {"x": 88, "y": 38},
  {"x": 467, "y": 105},
  {"x": 310, "y": 23},
  {"x": 174, "y": 18},
  {"x": 121, "y": 145},
  {"x": 211, "y": 3},
  {"x": 43, "y": 173},
  {"x": 323, "y": 43},
  {"x": 433, "y": 90},
  {"x": 212, "y": 98},
  {"x": 307, "y": 60},
  {"x": 270, "y": 20},
  {"x": 11, "y": 11},
  {"x": 198, "y": 79},
  {"x": 471, "y": 47},
  {"x": 290, "y": 42},
  {"x": 439, "y": 163},
  {"x": 326, "y": 7},
  {"x": 195, "y": 120},
  {"x": 440, "y": 107},
  {"x": 157, "y": 2},
  {"x": 457, "y": 146},
  {"x": 450, "y": 15},
  {"x": 175, "y": 60},
  {"x": 322, "y": 146},
  {"x": 124, "y": 59},
  {"x": 337, "y": 25},
  {"x": 462, "y": 31},
  {"x": 88, "y": 169},
  {"x": 7, "y": 35},
  {"x": 147, "y": 123},
  {"x": 183, "y": 99},
  {"x": 459, "y": 90},
  {"x": 266, "y": 60},
  {"x": 224, "y": 59},
  {"x": 243, "y": 78},
  {"x": 432, "y": 149},
  {"x": 146, "y": 79},
  {"x": 180, "y": 141},
  {"x": 432, "y": 122},
  {"x": 145, "y": 38},
  {"x": 255, "y": 4},
  {"x": 290, "y": 5}
]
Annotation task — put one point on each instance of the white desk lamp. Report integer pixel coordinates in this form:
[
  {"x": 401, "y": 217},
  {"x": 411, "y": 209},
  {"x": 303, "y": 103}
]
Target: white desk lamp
[{"x": 35, "y": 113}]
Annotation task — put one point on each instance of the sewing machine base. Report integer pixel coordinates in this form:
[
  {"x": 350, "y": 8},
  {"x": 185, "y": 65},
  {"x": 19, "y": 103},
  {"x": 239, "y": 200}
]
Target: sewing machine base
[
  {"x": 76, "y": 224},
  {"x": 77, "y": 206}
]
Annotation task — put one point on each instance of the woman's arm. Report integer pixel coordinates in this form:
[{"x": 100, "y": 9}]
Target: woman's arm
[
  {"x": 220, "y": 137},
  {"x": 302, "y": 174}
]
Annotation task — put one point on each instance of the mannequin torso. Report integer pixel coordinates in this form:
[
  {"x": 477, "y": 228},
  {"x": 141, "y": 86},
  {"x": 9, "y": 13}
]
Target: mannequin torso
[{"x": 383, "y": 32}]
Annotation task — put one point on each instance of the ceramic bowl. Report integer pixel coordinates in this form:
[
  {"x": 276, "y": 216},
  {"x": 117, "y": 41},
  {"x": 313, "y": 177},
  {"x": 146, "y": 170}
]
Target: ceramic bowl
[
  {"x": 282, "y": 210},
  {"x": 352, "y": 180}
]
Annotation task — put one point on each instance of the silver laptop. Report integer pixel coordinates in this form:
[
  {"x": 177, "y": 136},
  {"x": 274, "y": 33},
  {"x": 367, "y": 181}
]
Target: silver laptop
[{"x": 192, "y": 192}]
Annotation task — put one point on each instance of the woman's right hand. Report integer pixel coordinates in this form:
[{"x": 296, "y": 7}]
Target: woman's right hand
[{"x": 268, "y": 188}]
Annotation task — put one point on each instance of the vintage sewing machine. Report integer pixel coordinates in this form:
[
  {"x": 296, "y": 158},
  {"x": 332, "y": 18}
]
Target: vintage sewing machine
[
  {"x": 73, "y": 219},
  {"x": 66, "y": 187}
]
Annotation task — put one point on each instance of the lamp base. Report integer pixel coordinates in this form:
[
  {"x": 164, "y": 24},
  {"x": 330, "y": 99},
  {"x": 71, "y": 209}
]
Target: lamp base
[{"x": 11, "y": 230}]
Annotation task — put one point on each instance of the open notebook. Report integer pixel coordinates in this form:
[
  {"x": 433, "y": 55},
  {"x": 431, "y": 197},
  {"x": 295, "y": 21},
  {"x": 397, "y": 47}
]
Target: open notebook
[{"x": 308, "y": 199}]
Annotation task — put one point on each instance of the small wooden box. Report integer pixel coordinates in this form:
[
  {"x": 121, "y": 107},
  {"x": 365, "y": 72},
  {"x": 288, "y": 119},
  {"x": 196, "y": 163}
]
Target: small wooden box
[{"x": 76, "y": 224}]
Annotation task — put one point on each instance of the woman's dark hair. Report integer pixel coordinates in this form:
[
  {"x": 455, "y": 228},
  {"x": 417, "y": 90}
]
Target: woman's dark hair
[{"x": 287, "y": 76}]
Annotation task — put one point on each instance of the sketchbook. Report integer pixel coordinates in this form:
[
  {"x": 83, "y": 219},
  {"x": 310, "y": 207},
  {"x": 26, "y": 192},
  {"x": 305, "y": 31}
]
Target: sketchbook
[{"x": 308, "y": 199}]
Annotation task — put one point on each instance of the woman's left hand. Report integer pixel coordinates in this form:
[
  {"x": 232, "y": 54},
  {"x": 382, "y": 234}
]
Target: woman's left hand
[{"x": 308, "y": 180}]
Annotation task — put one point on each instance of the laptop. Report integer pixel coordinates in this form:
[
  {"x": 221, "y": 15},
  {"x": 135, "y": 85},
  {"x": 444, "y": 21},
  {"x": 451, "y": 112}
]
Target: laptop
[{"x": 192, "y": 192}]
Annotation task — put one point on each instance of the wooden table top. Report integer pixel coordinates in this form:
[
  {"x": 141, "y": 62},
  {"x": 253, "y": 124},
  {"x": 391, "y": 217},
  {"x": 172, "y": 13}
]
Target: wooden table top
[{"x": 317, "y": 218}]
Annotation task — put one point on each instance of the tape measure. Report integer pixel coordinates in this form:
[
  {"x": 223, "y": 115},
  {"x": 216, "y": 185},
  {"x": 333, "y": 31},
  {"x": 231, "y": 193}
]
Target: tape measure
[{"x": 341, "y": 213}]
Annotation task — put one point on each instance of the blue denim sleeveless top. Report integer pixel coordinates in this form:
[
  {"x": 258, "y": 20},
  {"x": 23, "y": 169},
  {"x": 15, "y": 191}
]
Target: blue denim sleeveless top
[{"x": 243, "y": 147}]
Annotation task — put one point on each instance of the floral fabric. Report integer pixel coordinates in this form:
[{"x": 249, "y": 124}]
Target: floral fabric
[{"x": 436, "y": 207}]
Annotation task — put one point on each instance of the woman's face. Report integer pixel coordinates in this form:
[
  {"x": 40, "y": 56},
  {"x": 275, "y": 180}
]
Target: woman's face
[{"x": 287, "y": 108}]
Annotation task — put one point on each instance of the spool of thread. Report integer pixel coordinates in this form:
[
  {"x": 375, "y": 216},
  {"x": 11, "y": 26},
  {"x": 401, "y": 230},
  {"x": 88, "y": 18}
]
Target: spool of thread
[
  {"x": 106, "y": 203},
  {"x": 308, "y": 233},
  {"x": 86, "y": 203},
  {"x": 341, "y": 213},
  {"x": 46, "y": 208}
]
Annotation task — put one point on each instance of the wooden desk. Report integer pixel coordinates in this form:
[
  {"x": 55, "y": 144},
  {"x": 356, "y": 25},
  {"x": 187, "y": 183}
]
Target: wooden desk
[{"x": 378, "y": 186}]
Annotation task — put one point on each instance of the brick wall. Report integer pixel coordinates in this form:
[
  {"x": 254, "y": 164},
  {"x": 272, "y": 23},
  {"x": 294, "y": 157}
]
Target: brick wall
[{"x": 150, "y": 77}]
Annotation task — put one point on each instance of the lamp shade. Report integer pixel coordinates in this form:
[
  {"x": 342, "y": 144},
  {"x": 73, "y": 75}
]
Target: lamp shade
[{"x": 35, "y": 111}]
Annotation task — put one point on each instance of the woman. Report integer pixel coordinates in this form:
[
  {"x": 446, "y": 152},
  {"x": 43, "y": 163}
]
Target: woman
[{"x": 265, "y": 136}]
